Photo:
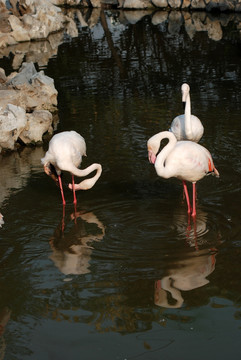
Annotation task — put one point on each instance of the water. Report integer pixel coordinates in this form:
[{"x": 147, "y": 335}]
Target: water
[{"x": 126, "y": 275}]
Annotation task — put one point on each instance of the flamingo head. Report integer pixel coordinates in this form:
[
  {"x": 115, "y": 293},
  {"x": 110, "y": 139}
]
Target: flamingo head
[
  {"x": 152, "y": 148},
  {"x": 49, "y": 169},
  {"x": 185, "y": 91},
  {"x": 151, "y": 157}
]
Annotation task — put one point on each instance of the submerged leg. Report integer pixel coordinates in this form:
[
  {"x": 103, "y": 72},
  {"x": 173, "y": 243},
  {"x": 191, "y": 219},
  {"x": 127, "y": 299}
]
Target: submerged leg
[
  {"x": 73, "y": 188},
  {"x": 187, "y": 197},
  {"x": 61, "y": 189}
]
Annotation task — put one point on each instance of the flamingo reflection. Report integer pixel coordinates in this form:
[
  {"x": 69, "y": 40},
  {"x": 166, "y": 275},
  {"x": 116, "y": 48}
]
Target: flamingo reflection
[
  {"x": 184, "y": 275},
  {"x": 191, "y": 270},
  {"x": 71, "y": 251}
]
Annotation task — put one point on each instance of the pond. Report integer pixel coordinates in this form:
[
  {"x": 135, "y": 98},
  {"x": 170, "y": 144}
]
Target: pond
[{"x": 126, "y": 274}]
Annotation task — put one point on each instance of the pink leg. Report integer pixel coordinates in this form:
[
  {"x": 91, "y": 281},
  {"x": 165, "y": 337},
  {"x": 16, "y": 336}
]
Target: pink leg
[
  {"x": 63, "y": 217},
  {"x": 73, "y": 188},
  {"x": 61, "y": 189},
  {"x": 194, "y": 199},
  {"x": 187, "y": 197}
]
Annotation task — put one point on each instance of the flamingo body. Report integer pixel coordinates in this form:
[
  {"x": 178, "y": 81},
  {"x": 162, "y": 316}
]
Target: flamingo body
[
  {"x": 187, "y": 126},
  {"x": 65, "y": 153},
  {"x": 66, "y": 150},
  {"x": 185, "y": 160}
]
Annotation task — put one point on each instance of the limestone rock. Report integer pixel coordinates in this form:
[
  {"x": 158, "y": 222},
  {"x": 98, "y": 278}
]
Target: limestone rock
[
  {"x": 18, "y": 31},
  {"x": 175, "y": 4},
  {"x": 186, "y": 4},
  {"x": 38, "y": 123},
  {"x": 160, "y": 3},
  {"x": 12, "y": 122},
  {"x": 25, "y": 74},
  {"x": 137, "y": 4},
  {"x": 198, "y": 4}
]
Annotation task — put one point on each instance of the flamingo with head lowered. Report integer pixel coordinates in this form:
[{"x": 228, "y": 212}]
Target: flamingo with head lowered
[
  {"x": 187, "y": 126},
  {"x": 185, "y": 160},
  {"x": 65, "y": 153}
]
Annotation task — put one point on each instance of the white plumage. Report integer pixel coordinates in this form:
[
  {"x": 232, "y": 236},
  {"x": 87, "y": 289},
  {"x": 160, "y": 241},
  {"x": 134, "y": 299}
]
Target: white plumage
[
  {"x": 65, "y": 153},
  {"x": 187, "y": 126},
  {"x": 184, "y": 160}
]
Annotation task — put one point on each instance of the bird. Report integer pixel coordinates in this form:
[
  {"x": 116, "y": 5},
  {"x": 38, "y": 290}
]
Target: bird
[
  {"x": 65, "y": 153},
  {"x": 187, "y": 126},
  {"x": 184, "y": 160}
]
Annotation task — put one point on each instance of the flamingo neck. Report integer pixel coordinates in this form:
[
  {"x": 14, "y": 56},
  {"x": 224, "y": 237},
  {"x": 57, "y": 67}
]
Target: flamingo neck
[
  {"x": 188, "y": 126},
  {"x": 87, "y": 183},
  {"x": 161, "y": 168},
  {"x": 175, "y": 293}
]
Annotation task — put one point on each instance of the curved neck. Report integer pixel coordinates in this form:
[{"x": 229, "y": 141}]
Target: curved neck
[
  {"x": 87, "y": 183},
  {"x": 161, "y": 169},
  {"x": 175, "y": 293}
]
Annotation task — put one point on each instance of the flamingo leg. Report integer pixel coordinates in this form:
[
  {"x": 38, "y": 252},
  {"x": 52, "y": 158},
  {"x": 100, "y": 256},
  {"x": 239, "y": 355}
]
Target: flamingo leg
[
  {"x": 63, "y": 217},
  {"x": 73, "y": 188},
  {"x": 61, "y": 189},
  {"x": 187, "y": 197},
  {"x": 193, "y": 199}
]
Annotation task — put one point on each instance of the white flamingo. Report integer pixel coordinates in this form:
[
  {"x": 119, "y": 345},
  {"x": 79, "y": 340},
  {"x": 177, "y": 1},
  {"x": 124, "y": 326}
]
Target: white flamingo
[
  {"x": 65, "y": 154},
  {"x": 185, "y": 160},
  {"x": 187, "y": 126}
]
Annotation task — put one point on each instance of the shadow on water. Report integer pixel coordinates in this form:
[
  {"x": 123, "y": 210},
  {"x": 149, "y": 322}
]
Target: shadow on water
[{"x": 126, "y": 274}]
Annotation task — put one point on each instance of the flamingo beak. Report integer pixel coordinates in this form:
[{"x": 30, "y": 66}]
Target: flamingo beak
[
  {"x": 50, "y": 171},
  {"x": 151, "y": 157}
]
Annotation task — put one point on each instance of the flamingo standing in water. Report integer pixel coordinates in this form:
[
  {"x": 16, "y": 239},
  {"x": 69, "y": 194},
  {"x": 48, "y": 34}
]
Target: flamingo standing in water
[
  {"x": 185, "y": 160},
  {"x": 187, "y": 126},
  {"x": 65, "y": 154}
]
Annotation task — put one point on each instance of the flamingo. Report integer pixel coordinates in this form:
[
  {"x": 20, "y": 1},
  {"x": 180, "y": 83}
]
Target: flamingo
[
  {"x": 65, "y": 154},
  {"x": 187, "y": 126},
  {"x": 185, "y": 160}
]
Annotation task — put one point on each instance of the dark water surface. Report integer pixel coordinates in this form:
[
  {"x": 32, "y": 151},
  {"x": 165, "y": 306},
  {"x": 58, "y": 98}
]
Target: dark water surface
[{"x": 126, "y": 275}]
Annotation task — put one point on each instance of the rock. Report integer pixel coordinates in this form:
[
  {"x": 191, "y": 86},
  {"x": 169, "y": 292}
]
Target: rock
[
  {"x": 26, "y": 72},
  {"x": 18, "y": 31},
  {"x": 12, "y": 122},
  {"x": 38, "y": 123},
  {"x": 137, "y": 4},
  {"x": 186, "y": 4},
  {"x": 197, "y": 4},
  {"x": 160, "y": 3},
  {"x": 3, "y": 77},
  {"x": 32, "y": 90},
  {"x": 174, "y": 4}
]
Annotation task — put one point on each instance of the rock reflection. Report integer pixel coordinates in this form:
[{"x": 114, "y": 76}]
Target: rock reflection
[
  {"x": 37, "y": 52},
  {"x": 167, "y": 21},
  {"x": 16, "y": 168},
  {"x": 71, "y": 242},
  {"x": 184, "y": 275}
]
